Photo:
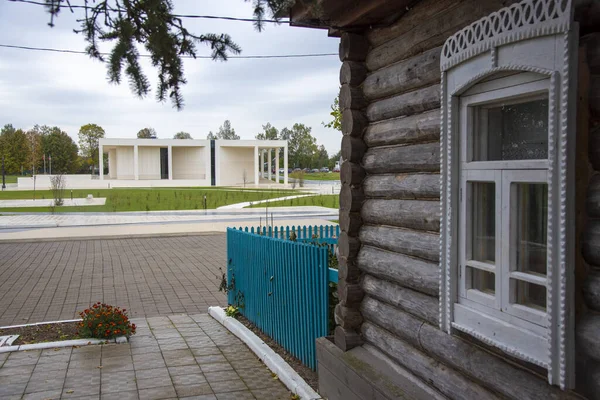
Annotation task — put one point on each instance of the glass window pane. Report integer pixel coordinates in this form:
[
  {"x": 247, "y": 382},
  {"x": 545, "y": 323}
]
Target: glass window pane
[
  {"x": 483, "y": 281},
  {"x": 530, "y": 226},
  {"x": 483, "y": 222},
  {"x": 531, "y": 295},
  {"x": 511, "y": 131}
]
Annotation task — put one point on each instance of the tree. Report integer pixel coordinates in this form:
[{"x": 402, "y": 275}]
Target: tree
[
  {"x": 89, "y": 136},
  {"x": 336, "y": 114},
  {"x": 154, "y": 25},
  {"x": 322, "y": 158},
  {"x": 225, "y": 132},
  {"x": 15, "y": 148},
  {"x": 146, "y": 133},
  {"x": 302, "y": 146},
  {"x": 182, "y": 135},
  {"x": 334, "y": 159},
  {"x": 269, "y": 133},
  {"x": 63, "y": 150}
]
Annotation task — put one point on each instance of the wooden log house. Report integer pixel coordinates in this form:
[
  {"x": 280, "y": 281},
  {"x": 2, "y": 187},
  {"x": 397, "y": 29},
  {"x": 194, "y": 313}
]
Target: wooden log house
[{"x": 470, "y": 207}]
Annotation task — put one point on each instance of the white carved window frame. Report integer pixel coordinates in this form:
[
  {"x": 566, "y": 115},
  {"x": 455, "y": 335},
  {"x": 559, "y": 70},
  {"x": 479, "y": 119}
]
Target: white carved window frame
[{"x": 537, "y": 36}]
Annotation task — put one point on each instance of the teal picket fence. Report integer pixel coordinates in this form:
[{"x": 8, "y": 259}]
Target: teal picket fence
[{"x": 282, "y": 285}]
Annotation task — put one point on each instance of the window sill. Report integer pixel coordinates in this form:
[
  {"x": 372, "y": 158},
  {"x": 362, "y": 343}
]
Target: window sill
[{"x": 516, "y": 341}]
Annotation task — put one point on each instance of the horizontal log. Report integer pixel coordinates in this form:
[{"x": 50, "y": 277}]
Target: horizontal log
[
  {"x": 590, "y": 242},
  {"x": 429, "y": 32},
  {"x": 588, "y": 335},
  {"x": 351, "y": 198},
  {"x": 403, "y": 186},
  {"x": 354, "y": 122},
  {"x": 413, "y": 214},
  {"x": 416, "y": 303},
  {"x": 353, "y": 149},
  {"x": 449, "y": 382},
  {"x": 593, "y": 197},
  {"x": 413, "y": 158},
  {"x": 346, "y": 339},
  {"x": 353, "y": 47},
  {"x": 350, "y": 222},
  {"x": 348, "y": 246},
  {"x": 353, "y": 73},
  {"x": 400, "y": 324},
  {"x": 352, "y": 97},
  {"x": 352, "y": 173},
  {"x": 415, "y": 72},
  {"x": 348, "y": 317},
  {"x": 485, "y": 368},
  {"x": 348, "y": 270},
  {"x": 406, "y": 241},
  {"x": 419, "y": 13},
  {"x": 410, "y": 103},
  {"x": 406, "y": 271},
  {"x": 413, "y": 129},
  {"x": 591, "y": 290}
]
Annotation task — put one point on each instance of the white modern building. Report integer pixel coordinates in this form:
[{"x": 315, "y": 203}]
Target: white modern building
[{"x": 184, "y": 162}]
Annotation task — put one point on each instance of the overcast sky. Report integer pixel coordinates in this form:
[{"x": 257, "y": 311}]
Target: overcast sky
[{"x": 70, "y": 90}]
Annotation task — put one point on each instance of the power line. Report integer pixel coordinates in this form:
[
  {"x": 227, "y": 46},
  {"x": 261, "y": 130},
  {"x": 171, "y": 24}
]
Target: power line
[
  {"x": 192, "y": 16},
  {"x": 12, "y": 46}
]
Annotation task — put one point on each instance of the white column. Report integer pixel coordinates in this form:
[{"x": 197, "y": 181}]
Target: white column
[
  {"x": 136, "y": 164},
  {"x": 256, "y": 161},
  {"x": 101, "y": 161},
  {"x": 269, "y": 151},
  {"x": 285, "y": 165},
  {"x": 261, "y": 164},
  {"x": 277, "y": 164},
  {"x": 170, "y": 161}
]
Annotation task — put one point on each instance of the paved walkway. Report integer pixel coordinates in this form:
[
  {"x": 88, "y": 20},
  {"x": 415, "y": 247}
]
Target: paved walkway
[
  {"x": 45, "y": 281},
  {"x": 170, "y": 357},
  {"x": 24, "y": 221}
]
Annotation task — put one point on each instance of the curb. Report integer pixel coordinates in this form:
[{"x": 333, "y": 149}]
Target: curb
[
  {"x": 286, "y": 374},
  {"x": 62, "y": 343}
]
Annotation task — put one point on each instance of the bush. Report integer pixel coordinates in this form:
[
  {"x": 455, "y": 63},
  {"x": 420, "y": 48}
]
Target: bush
[
  {"x": 58, "y": 184},
  {"x": 102, "y": 321}
]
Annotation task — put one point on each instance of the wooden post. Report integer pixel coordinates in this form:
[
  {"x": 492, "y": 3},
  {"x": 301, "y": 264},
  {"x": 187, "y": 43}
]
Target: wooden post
[{"x": 353, "y": 52}]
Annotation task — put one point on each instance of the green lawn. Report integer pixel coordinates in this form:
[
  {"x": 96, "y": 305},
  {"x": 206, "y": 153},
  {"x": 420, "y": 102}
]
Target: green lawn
[
  {"x": 327, "y": 200},
  {"x": 318, "y": 176},
  {"x": 133, "y": 199}
]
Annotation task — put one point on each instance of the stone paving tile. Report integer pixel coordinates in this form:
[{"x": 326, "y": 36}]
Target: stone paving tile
[
  {"x": 185, "y": 370},
  {"x": 193, "y": 390},
  {"x": 118, "y": 381},
  {"x": 201, "y": 397},
  {"x": 276, "y": 393},
  {"x": 191, "y": 379},
  {"x": 241, "y": 395},
  {"x": 157, "y": 393},
  {"x": 216, "y": 367},
  {"x": 127, "y": 395},
  {"x": 82, "y": 390},
  {"x": 45, "y": 395},
  {"x": 228, "y": 386}
]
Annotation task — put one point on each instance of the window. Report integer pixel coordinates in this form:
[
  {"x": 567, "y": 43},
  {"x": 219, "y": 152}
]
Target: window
[
  {"x": 507, "y": 150},
  {"x": 503, "y": 228}
]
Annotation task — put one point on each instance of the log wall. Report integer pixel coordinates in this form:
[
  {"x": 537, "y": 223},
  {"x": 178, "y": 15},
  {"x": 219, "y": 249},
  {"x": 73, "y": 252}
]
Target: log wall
[{"x": 389, "y": 209}]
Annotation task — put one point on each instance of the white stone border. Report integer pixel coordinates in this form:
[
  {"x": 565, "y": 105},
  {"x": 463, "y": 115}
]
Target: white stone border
[
  {"x": 286, "y": 374},
  {"x": 61, "y": 343}
]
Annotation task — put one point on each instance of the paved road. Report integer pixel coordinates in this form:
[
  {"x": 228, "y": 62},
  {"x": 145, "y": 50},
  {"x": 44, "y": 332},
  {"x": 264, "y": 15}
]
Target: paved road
[{"x": 44, "y": 281}]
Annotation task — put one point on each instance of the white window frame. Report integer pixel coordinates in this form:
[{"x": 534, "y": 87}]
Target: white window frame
[{"x": 531, "y": 47}]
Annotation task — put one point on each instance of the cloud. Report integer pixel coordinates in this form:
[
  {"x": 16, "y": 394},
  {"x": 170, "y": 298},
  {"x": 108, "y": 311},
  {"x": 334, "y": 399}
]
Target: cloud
[{"x": 71, "y": 90}]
